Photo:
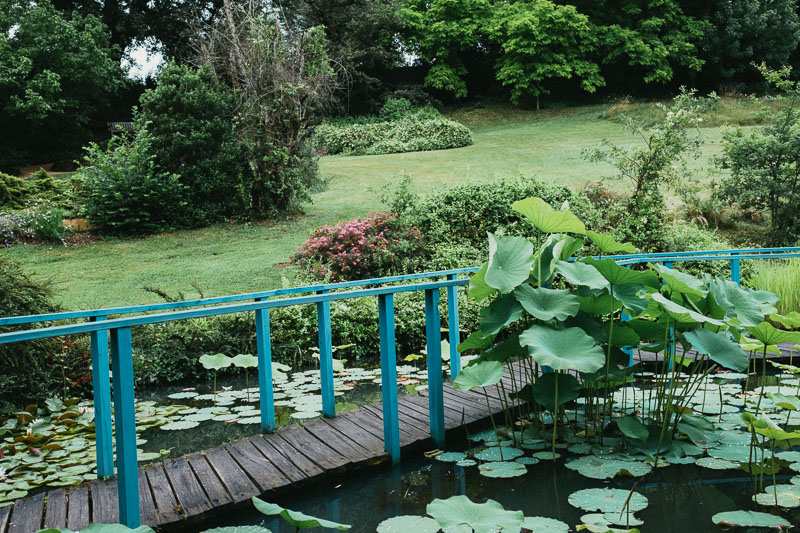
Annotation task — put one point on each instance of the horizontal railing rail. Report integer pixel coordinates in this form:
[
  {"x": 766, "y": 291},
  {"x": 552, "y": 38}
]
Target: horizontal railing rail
[{"x": 110, "y": 330}]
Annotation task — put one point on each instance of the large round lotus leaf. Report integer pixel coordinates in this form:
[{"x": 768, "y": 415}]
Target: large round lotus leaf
[
  {"x": 215, "y": 361},
  {"x": 769, "y": 334},
  {"x": 498, "y": 453},
  {"x": 481, "y": 517},
  {"x": 546, "y": 456},
  {"x": 544, "y": 390},
  {"x": 547, "y": 304},
  {"x": 406, "y": 524},
  {"x": 719, "y": 347},
  {"x": 182, "y": 395},
  {"x": 502, "y": 469},
  {"x": 611, "y": 519},
  {"x": 245, "y": 360},
  {"x": 238, "y": 529},
  {"x": 199, "y": 417},
  {"x": 450, "y": 457},
  {"x": 783, "y": 499},
  {"x": 483, "y": 374},
  {"x": 564, "y": 349},
  {"x": 179, "y": 425},
  {"x": 716, "y": 464},
  {"x": 304, "y": 415},
  {"x": 578, "y": 273},
  {"x": 608, "y": 245},
  {"x": 596, "y": 467},
  {"x": 546, "y": 219},
  {"x": 607, "y": 500},
  {"x": 749, "y": 519},
  {"x": 510, "y": 262},
  {"x": 527, "y": 460},
  {"x": 466, "y": 462},
  {"x": 540, "y": 524},
  {"x": 731, "y": 453}
]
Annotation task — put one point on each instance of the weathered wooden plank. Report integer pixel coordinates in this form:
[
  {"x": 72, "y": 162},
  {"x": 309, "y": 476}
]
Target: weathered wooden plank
[
  {"x": 55, "y": 515},
  {"x": 420, "y": 405},
  {"x": 261, "y": 471},
  {"x": 5, "y": 517},
  {"x": 304, "y": 442},
  {"x": 27, "y": 515},
  {"x": 188, "y": 491},
  {"x": 166, "y": 503},
  {"x": 411, "y": 418},
  {"x": 411, "y": 427},
  {"x": 78, "y": 508},
  {"x": 376, "y": 430},
  {"x": 341, "y": 443},
  {"x": 365, "y": 439},
  {"x": 217, "y": 493},
  {"x": 105, "y": 502},
  {"x": 235, "y": 480},
  {"x": 310, "y": 468},
  {"x": 287, "y": 468},
  {"x": 147, "y": 506}
]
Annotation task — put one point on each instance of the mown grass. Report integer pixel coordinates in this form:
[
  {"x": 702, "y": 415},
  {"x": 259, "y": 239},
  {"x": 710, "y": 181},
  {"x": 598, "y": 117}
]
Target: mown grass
[
  {"x": 228, "y": 259},
  {"x": 781, "y": 278}
]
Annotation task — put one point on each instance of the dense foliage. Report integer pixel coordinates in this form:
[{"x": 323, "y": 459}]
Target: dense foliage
[
  {"x": 57, "y": 79},
  {"x": 187, "y": 121},
  {"x": 16, "y": 193},
  {"x": 764, "y": 165}
]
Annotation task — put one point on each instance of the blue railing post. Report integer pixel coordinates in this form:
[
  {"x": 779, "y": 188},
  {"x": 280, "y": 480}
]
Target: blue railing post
[
  {"x": 125, "y": 427},
  {"x": 266, "y": 396},
  {"x": 435, "y": 382},
  {"x": 453, "y": 335},
  {"x": 326, "y": 357},
  {"x": 735, "y": 272},
  {"x": 101, "y": 385},
  {"x": 391, "y": 421}
]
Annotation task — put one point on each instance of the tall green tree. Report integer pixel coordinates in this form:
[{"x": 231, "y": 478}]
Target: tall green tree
[
  {"x": 540, "y": 41},
  {"x": 57, "y": 77}
]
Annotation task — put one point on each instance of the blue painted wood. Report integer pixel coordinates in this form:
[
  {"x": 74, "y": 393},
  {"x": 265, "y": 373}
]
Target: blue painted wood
[
  {"x": 101, "y": 385},
  {"x": 391, "y": 420},
  {"x": 735, "y": 272},
  {"x": 265, "y": 386},
  {"x": 435, "y": 381},
  {"x": 453, "y": 335},
  {"x": 125, "y": 427},
  {"x": 326, "y": 358},
  {"x": 668, "y": 264}
]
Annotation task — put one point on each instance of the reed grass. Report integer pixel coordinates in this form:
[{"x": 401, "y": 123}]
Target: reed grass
[{"x": 782, "y": 278}]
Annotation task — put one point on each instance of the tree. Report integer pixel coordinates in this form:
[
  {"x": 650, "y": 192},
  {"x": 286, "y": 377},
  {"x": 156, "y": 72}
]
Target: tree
[
  {"x": 362, "y": 39},
  {"x": 540, "y": 41},
  {"x": 746, "y": 31},
  {"x": 56, "y": 80},
  {"x": 764, "y": 164},
  {"x": 188, "y": 122},
  {"x": 280, "y": 77}
]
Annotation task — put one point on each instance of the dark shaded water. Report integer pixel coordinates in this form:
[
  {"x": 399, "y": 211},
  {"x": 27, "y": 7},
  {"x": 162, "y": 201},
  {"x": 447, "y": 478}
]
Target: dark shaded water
[{"x": 682, "y": 498}]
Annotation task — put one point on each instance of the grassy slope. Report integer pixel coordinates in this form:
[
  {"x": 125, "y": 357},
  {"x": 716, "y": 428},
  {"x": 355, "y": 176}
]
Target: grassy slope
[{"x": 233, "y": 259}]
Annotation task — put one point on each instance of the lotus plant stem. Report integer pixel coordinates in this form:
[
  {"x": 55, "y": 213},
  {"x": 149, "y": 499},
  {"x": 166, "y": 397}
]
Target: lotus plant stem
[
  {"x": 507, "y": 414},
  {"x": 608, "y": 361},
  {"x": 491, "y": 417},
  {"x": 555, "y": 418},
  {"x": 763, "y": 377},
  {"x": 772, "y": 468}
]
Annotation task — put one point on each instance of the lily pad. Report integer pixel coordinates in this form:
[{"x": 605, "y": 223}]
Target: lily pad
[
  {"x": 716, "y": 464},
  {"x": 466, "y": 462},
  {"x": 295, "y": 518},
  {"x": 502, "y": 469},
  {"x": 498, "y": 453},
  {"x": 595, "y": 467},
  {"x": 404, "y": 524},
  {"x": 182, "y": 395},
  {"x": 607, "y": 500},
  {"x": 749, "y": 519},
  {"x": 541, "y": 524},
  {"x": 481, "y": 517},
  {"x": 450, "y": 457},
  {"x": 179, "y": 425}
]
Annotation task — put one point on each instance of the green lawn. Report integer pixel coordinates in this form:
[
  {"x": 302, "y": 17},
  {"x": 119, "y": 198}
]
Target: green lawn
[{"x": 233, "y": 259}]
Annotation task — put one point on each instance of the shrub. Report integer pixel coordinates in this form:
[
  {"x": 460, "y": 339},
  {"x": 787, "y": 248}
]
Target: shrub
[
  {"x": 17, "y": 193},
  {"x": 124, "y": 191},
  {"x": 781, "y": 278},
  {"x": 374, "y": 246},
  {"x": 395, "y": 109},
  {"x": 32, "y": 370},
  {"x": 9, "y": 230},
  {"x": 411, "y": 134},
  {"x": 187, "y": 119},
  {"x": 42, "y": 220}
]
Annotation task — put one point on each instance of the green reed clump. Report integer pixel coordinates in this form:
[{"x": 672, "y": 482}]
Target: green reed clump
[{"x": 781, "y": 278}]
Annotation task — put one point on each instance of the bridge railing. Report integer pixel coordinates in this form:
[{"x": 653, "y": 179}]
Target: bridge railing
[{"x": 111, "y": 345}]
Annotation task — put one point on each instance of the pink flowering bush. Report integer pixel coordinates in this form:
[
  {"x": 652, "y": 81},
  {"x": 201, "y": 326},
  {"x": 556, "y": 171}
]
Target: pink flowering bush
[{"x": 368, "y": 247}]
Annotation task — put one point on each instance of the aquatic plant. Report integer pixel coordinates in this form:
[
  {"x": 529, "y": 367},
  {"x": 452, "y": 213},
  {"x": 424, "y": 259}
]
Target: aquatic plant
[
  {"x": 295, "y": 519},
  {"x": 215, "y": 362}
]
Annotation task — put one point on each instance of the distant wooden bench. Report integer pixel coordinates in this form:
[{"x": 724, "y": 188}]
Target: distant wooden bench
[{"x": 119, "y": 127}]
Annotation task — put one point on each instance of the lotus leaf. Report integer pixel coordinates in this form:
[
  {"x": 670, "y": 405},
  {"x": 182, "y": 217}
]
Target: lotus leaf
[
  {"x": 483, "y": 374},
  {"x": 595, "y": 467},
  {"x": 544, "y": 390},
  {"x": 179, "y": 425},
  {"x": 768, "y": 334},
  {"x": 546, "y": 456},
  {"x": 541, "y": 524},
  {"x": 740, "y": 303},
  {"x": 478, "y": 289},
  {"x": 249, "y": 420},
  {"x": 501, "y": 312},
  {"x": 547, "y": 304},
  {"x": 409, "y": 523},
  {"x": 790, "y": 320},
  {"x": 527, "y": 460},
  {"x": 680, "y": 282},
  {"x": 565, "y": 349},
  {"x": 716, "y": 464},
  {"x": 681, "y": 313},
  {"x": 486, "y": 517},
  {"x": 295, "y": 518},
  {"x": 466, "y": 462},
  {"x": 750, "y": 519},
  {"x": 608, "y": 245},
  {"x": 611, "y": 519},
  {"x": 245, "y": 360},
  {"x": 608, "y": 500},
  {"x": 499, "y": 453},
  {"x": 503, "y": 469},
  {"x": 450, "y": 457},
  {"x": 305, "y": 415},
  {"x": 781, "y": 499},
  {"x": 580, "y": 274},
  {"x": 510, "y": 262},
  {"x": 238, "y": 529},
  {"x": 620, "y": 275},
  {"x": 215, "y": 361},
  {"x": 791, "y": 403}
]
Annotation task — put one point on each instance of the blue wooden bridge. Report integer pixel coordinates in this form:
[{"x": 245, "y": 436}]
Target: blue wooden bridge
[{"x": 199, "y": 483}]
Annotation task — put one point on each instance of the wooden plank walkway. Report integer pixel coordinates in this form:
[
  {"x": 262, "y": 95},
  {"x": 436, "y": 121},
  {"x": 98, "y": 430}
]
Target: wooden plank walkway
[{"x": 200, "y": 484}]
